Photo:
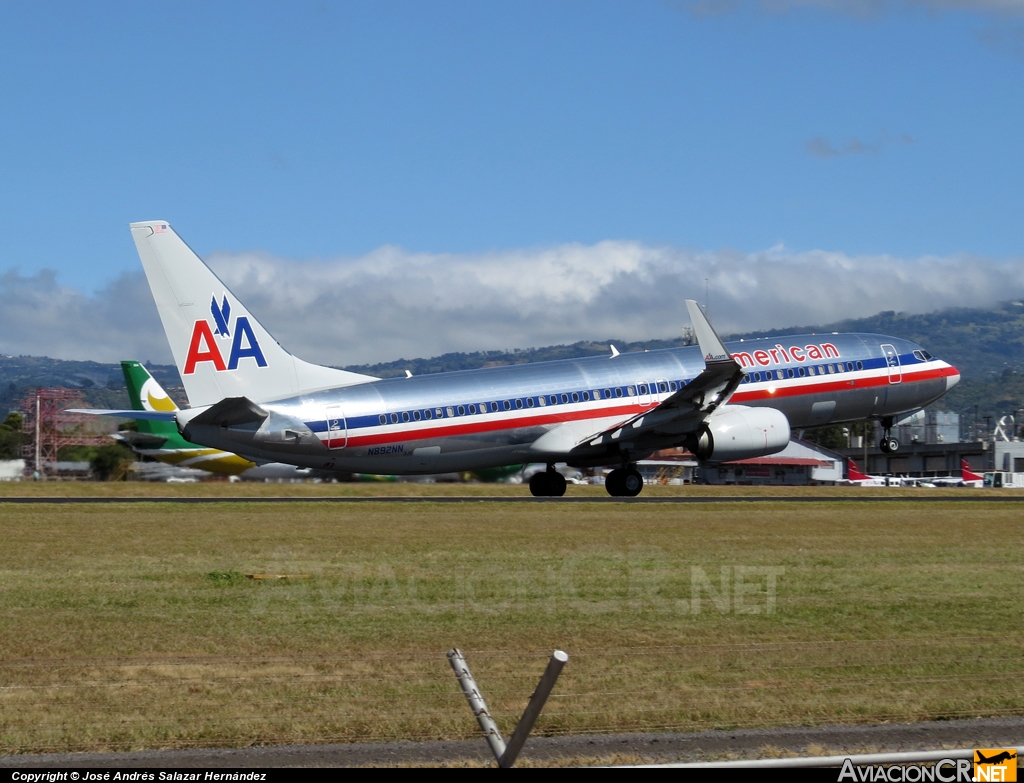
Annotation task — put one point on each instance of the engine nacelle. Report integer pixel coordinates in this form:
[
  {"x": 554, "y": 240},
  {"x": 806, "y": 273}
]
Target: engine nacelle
[{"x": 738, "y": 432}]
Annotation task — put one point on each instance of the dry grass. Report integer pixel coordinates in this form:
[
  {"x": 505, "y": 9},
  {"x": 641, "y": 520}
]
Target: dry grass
[{"x": 130, "y": 626}]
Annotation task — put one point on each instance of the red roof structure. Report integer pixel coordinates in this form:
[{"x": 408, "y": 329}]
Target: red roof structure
[{"x": 813, "y": 463}]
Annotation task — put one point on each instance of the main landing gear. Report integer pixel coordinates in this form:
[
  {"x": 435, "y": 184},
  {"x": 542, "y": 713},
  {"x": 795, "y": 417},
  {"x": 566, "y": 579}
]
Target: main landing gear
[
  {"x": 888, "y": 444},
  {"x": 624, "y": 482},
  {"x": 549, "y": 484}
]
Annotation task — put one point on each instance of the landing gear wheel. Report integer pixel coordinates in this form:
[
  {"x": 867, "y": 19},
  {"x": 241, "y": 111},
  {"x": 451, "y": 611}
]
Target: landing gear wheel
[
  {"x": 613, "y": 484},
  {"x": 624, "y": 483},
  {"x": 889, "y": 445},
  {"x": 539, "y": 485},
  {"x": 632, "y": 483},
  {"x": 549, "y": 484},
  {"x": 556, "y": 484}
]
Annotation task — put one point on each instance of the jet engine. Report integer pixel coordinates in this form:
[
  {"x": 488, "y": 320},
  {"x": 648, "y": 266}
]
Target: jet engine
[{"x": 739, "y": 432}]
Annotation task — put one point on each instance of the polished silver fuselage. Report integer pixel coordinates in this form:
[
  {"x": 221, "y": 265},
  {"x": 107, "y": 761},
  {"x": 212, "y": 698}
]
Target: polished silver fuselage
[{"x": 491, "y": 417}]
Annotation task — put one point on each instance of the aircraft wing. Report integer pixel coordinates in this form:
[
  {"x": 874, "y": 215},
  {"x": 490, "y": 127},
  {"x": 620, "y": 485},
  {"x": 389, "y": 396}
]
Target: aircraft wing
[{"x": 683, "y": 412}]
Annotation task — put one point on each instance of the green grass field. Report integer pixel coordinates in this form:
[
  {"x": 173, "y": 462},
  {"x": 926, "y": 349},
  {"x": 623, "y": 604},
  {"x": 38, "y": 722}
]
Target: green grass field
[{"x": 133, "y": 626}]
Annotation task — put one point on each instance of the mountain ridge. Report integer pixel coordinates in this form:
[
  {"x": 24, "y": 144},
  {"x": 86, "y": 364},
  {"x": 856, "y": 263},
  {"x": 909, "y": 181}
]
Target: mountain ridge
[{"x": 985, "y": 344}]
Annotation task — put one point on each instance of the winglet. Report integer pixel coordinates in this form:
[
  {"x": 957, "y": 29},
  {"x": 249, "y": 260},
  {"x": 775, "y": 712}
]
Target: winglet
[{"x": 710, "y": 343}]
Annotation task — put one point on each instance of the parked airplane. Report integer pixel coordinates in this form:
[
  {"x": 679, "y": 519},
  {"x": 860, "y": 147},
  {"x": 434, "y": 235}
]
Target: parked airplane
[
  {"x": 855, "y": 477},
  {"x": 968, "y": 478},
  {"x": 252, "y": 397},
  {"x": 162, "y": 441}
]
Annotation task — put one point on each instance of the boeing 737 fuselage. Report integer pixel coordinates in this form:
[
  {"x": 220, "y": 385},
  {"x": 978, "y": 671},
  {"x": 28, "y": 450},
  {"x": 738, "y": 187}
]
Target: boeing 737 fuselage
[
  {"x": 499, "y": 415},
  {"x": 723, "y": 402}
]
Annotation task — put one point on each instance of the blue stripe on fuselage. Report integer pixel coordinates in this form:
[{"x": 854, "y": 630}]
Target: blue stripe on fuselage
[{"x": 357, "y": 422}]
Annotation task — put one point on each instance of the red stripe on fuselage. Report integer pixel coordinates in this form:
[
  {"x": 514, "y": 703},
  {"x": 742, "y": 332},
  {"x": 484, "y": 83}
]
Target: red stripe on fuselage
[
  {"x": 495, "y": 425},
  {"x": 834, "y": 384},
  {"x": 794, "y": 388}
]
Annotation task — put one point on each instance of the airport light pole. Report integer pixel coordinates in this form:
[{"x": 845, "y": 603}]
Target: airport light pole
[{"x": 39, "y": 467}]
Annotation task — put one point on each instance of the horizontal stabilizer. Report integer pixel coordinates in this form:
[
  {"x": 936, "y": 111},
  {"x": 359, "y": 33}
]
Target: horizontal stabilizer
[
  {"x": 231, "y": 412},
  {"x": 127, "y": 414},
  {"x": 140, "y": 440}
]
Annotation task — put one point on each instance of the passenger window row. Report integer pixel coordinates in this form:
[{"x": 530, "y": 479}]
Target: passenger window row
[
  {"x": 801, "y": 372},
  {"x": 541, "y": 401}
]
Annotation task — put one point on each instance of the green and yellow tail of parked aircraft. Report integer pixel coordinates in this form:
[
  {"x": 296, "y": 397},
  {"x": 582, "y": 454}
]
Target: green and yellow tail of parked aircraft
[{"x": 161, "y": 440}]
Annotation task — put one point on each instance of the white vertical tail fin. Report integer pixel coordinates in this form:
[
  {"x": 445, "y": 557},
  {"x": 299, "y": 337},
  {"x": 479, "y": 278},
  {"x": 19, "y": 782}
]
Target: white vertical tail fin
[{"x": 221, "y": 350}]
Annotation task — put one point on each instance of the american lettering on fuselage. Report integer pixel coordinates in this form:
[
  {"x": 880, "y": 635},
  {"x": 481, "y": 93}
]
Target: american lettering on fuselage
[
  {"x": 721, "y": 401},
  {"x": 808, "y": 353}
]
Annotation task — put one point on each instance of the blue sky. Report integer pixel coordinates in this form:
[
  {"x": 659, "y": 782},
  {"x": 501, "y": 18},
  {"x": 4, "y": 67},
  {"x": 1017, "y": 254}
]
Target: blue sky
[{"x": 320, "y": 132}]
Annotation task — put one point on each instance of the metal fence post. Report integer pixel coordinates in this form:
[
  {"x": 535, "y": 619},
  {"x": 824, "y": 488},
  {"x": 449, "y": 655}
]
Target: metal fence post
[
  {"x": 476, "y": 702},
  {"x": 506, "y": 755},
  {"x": 532, "y": 711}
]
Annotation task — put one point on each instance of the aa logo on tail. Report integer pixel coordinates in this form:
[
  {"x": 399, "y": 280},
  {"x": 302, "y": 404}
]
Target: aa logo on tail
[{"x": 205, "y": 347}]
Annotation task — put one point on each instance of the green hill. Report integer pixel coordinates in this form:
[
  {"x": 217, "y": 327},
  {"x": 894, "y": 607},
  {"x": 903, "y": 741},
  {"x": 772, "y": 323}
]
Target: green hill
[
  {"x": 980, "y": 343},
  {"x": 102, "y": 385}
]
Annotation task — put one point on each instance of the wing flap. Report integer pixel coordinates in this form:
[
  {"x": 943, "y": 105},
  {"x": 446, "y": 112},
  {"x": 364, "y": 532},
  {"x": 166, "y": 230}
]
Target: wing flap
[
  {"x": 683, "y": 412},
  {"x": 231, "y": 412},
  {"x": 677, "y": 416}
]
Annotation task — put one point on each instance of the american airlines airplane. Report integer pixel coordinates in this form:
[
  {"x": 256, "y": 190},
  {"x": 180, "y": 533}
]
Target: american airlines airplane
[{"x": 722, "y": 402}]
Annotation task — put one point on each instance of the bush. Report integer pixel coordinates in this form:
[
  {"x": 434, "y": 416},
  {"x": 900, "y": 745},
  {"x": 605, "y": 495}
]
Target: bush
[
  {"x": 111, "y": 462},
  {"x": 11, "y": 437}
]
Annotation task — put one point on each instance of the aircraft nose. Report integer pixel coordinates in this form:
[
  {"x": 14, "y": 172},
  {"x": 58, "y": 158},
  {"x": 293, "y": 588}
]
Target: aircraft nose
[{"x": 953, "y": 378}]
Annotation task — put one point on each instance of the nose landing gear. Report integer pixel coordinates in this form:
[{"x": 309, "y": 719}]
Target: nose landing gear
[
  {"x": 888, "y": 444},
  {"x": 624, "y": 482},
  {"x": 548, "y": 484}
]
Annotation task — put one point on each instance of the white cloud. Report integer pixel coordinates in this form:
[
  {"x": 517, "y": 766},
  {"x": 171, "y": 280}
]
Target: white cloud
[
  {"x": 40, "y": 317},
  {"x": 391, "y": 304},
  {"x": 821, "y": 147}
]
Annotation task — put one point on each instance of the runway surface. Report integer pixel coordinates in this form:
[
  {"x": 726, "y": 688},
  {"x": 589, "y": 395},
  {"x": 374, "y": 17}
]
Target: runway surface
[
  {"x": 745, "y": 743},
  {"x": 973, "y": 498}
]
